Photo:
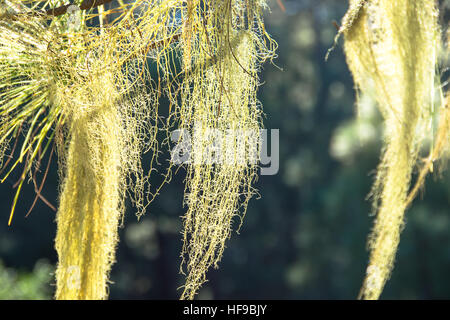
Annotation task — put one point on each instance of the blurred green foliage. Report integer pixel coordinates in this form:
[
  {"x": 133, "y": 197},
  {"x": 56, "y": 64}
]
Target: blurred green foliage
[
  {"x": 305, "y": 237},
  {"x": 32, "y": 285}
]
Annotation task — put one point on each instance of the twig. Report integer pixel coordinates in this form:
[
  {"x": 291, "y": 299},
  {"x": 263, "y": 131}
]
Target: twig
[
  {"x": 85, "y": 5},
  {"x": 39, "y": 190},
  {"x": 59, "y": 11}
]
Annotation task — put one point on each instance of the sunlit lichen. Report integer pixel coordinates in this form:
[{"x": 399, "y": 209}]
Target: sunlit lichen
[
  {"x": 87, "y": 86},
  {"x": 224, "y": 44},
  {"x": 391, "y": 49}
]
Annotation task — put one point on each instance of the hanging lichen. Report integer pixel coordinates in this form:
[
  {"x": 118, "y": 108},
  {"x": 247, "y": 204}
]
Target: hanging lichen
[
  {"x": 108, "y": 131},
  {"x": 89, "y": 209},
  {"x": 75, "y": 86},
  {"x": 220, "y": 109},
  {"x": 391, "y": 49},
  {"x": 81, "y": 79}
]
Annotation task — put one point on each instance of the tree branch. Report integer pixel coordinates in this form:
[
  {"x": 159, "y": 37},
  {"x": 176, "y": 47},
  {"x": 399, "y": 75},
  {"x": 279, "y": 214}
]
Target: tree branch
[
  {"x": 85, "y": 5},
  {"x": 59, "y": 11}
]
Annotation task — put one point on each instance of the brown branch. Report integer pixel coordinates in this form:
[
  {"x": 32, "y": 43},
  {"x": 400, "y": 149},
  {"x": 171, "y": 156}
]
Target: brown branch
[
  {"x": 336, "y": 25},
  {"x": 281, "y": 5},
  {"x": 85, "y": 5},
  {"x": 38, "y": 191},
  {"x": 89, "y": 4},
  {"x": 59, "y": 11}
]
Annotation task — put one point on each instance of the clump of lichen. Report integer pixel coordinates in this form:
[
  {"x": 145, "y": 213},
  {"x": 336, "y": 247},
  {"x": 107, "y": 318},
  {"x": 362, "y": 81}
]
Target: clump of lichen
[
  {"x": 391, "y": 49},
  {"x": 84, "y": 92},
  {"x": 109, "y": 124},
  {"x": 88, "y": 89},
  {"x": 223, "y": 45}
]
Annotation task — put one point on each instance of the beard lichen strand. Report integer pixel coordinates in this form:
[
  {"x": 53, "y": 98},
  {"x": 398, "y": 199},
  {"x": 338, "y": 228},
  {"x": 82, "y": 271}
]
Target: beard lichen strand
[
  {"x": 90, "y": 204},
  {"x": 219, "y": 96},
  {"x": 110, "y": 122},
  {"x": 102, "y": 106},
  {"x": 391, "y": 52}
]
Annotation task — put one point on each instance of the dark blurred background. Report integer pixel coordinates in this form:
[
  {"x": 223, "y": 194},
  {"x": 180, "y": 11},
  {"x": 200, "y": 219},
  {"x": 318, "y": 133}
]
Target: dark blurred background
[{"x": 305, "y": 238}]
